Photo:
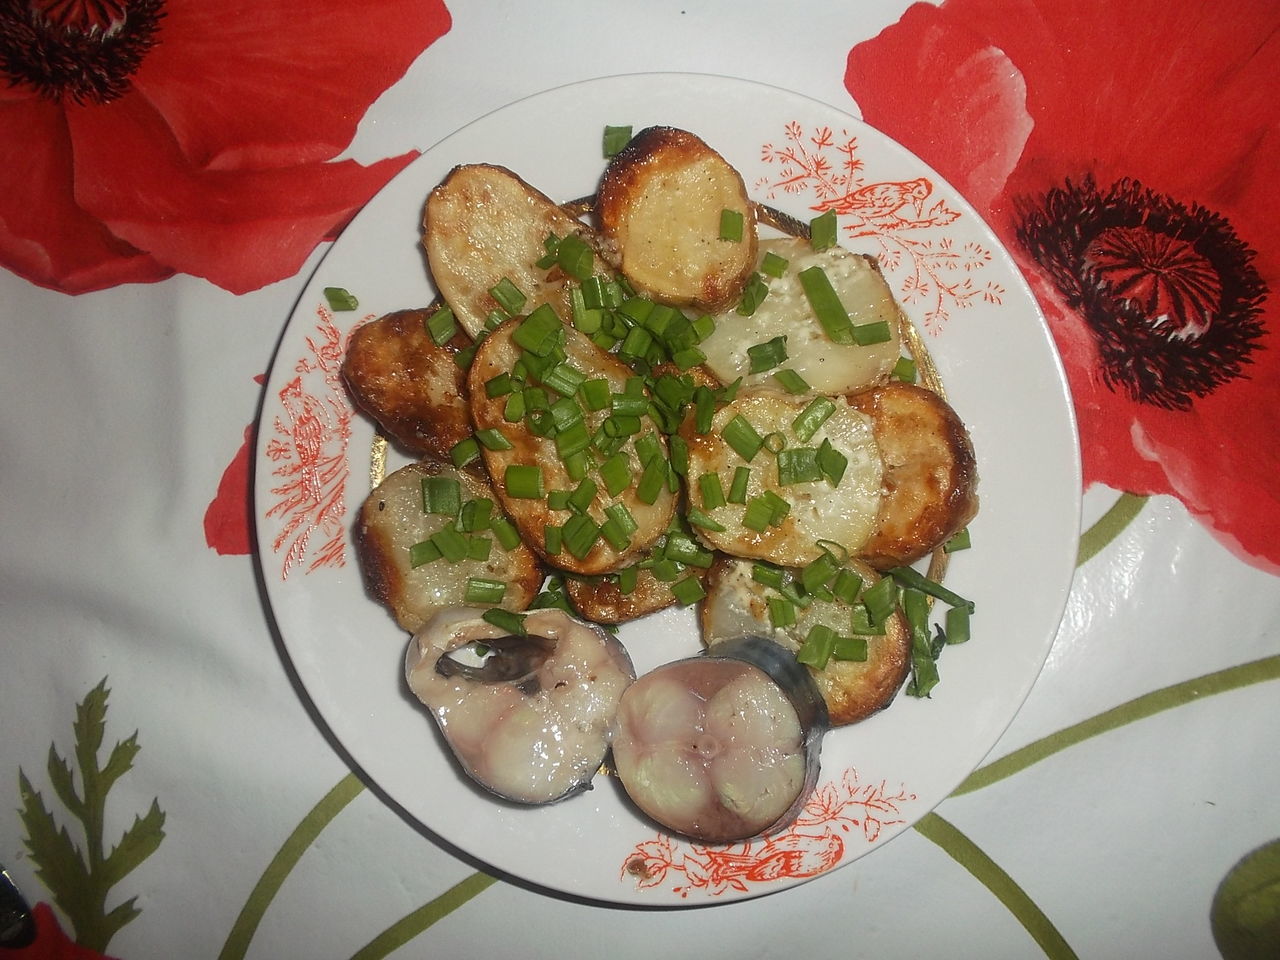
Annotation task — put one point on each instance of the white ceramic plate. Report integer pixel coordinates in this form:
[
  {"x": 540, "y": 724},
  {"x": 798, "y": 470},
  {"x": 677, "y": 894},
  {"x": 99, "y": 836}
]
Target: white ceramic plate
[{"x": 1002, "y": 375}]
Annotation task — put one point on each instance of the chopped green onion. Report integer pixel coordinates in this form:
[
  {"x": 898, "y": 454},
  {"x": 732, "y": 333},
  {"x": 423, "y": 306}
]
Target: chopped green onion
[
  {"x": 831, "y": 462},
  {"x": 652, "y": 481},
  {"x": 595, "y": 393},
  {"x": 791, "y": 381},
  {"x": 704, "y": 327},
  {"x": 523, "y": 482},
  {"x": 463, "y": 358},
  {"x": 482, "y": 591},
  {"x": 648, "y": 447},
  {"x": 688, "y": 358},
  {"x": 768, "y": 574},
  {"x": 767, "y": 355},
  {"x": 880, "y": 599},
  {"x": 615, "y": 138},
  {"x": 684, "y": 549},
  {"x": 738, "y": 486},
  {"x": 957, "y": 625},
  {"x": 583, "y": 495},
  {"x": 782, "y": 613},
  {"x": 616, "y": 474},
  {"x": 508, "y": 296},
  {"x": 513, "y": 410},
  {"x": 679, "y": 454},
  {"x": 773, "y": 265},
  {"x": 778, "y": 508},
  {"x": 822, "y": 231},
  {"x": 687, "y": 591},
  {"x": 961, "y": 541},
  {"x": 574, "y": 257},
  {"x": 850, "y": 648},
  {"x": 731, "y": 224},
  {"x": 464, "y": 451},
  {"x": 580, "y": 535},
  {"x": 563, "y": 379},
  {"x": 905, "y": 370},
  {"x": 819, "y": 572},
  {"x": 539, "y": 332},
  {"x": 826, "y": 305},
  {"x": 513, "y": 623},
  {"x": 666, "y": 570},
  {"x": 558, "y": 500},
  {"x": 697, "y": 518},
  {"x": 552, "y": 538},
  {"x": 441, "y": 326},
  {"x": 340, "y": 299},
  {"x": 918, "y": 581},
  {"x": 753, "y": 295},
  {"x": 441, "y": 495},
  {"x": 861, "y": 624},
  {"x": 742, "y": 436},
  {"x": 627, "y": 579},
  {"x": 624, "y": 404},
  {"x": 572, "y": 440},
  {"x": 847, "y": 586},
  {"x": 451, "y": 544},
  {"x": 865, "y": 334},
  {"x": 499, "y": 386},
  {"x": 812, "y": 417},
  {"x": 924, "y": 669},
  {"x": 617, "y": 537},
  {"x": 798, "y": 465},
  {"x": 758, "y": 514},
  {"x": 817, "y": 646},
  {"x": 712, "y": 491},
  {"x": 637, "y": 341},
  {"x": 505, "y": 532},
  {"x": 491, "y": 438},
  {"x": 476, "y": 514},
  {"x": 618, "y": 513},
  {"x": 424, "y": 552}
]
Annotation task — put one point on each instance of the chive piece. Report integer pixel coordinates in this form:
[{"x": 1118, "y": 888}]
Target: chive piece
[
  {"x": 441, "y": 326},
  {"x": 880, "y": 599},
  {"x": 679, "y": 454},
  {"x": 768, "y": 574},
  {"x": 505, "y": 532},
  {"x": 616, "y": 474},
  {"x": 767, "y": 355},
  {"x": 832, "y": 463},
  {"x": 618, "y": 513},
  {"x": 757, "y": 515},
  {"x": 961, "y": 541},
  {"x": 539, "y": 332},
  {"x": 687, "y": 591},
  {"x": 791, "y": 381},
  {"x": 666, "y": 570},
  {"x": 491, "y": 438},
  {"x": 441, "y": 495},
  {"x": 595, "y": 393},
  {"x": 424, "y": 552},
  {"x": 340, "y": 299},
  {"x": 847, "y": 586},
  {"x": 574, "y": 257},
  {"x": 866, "y": 334},
  {"x": 812, "y": 417},
  {"x": 615, "y": 138},
  {"x": 479, "y": 548},
  {"x": 513, "y": 410},
  {"x": 508, "y": 296},
  {"x": 819, "y": 572},
  {"x": 731, "y": 224},
  {"x": 563, "y": 379},
  {"x": 778, "y": 508},
  {"x": 697, "y": 518},
  {"x": 625, "y": 405},
  {"x": 580, "y": 535},
  {"x": 684, "y": 549},
  {"x": 782, "y": 613},
  {"x": 462, "y": 359},
  {"x": 957, "y": 625},
  {"x": 817, "y": 646},
  {"x": 798, "y": 465},
  {"x": 558, "y": 500},
  {"x": 861, "y": 624},
  {"x": 905, "y": 370},
  {"x": 476, "y": 515},
  {"x": 742, "y": 436},
  {"x": 464, "y": 451},
  {"x": 712, "y": 491},
  {"x": 652, "y": 481},
  {"x": 648, "y": 447},
  {"x": 850, "y": 648},
  {"x": 826, "y": 305},
  {"x": 704, "y": 326},
  {"x": 513, "y": 623},
  {"x": 451, "y": 544},
  {"x": 822, "y": 231},
  {"x": 583, "y": 495},
  {"x": 523, "y": 482},
  {"x": 552, "y": 538},
  {"x": 688, "y": 358},
  {"x": 704, "y": 409},
  {"x": 636, "y": 343},
  {"x": 499, "y": 386},
  {"x": 918, "y": 581},
  {"x": 738, "y": 485},
  {"x": 572, "y": 440},
  {"x": 773, "y": 265},
  {"x": 628, "y": 577},
  {"x": 924, "y": 669},
  {"x": 484, "y": 592},
  {"x": 615, "y": 536},
  {"x": 753, "y": 295}
]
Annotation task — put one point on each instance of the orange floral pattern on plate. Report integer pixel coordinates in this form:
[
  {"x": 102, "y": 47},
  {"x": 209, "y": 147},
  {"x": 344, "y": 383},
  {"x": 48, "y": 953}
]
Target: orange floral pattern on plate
[{"x": 813, "y": 844}]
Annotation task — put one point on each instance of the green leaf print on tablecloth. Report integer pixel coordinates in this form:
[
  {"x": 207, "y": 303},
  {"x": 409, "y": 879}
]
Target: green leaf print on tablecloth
[{"x": 79, "y": 880}]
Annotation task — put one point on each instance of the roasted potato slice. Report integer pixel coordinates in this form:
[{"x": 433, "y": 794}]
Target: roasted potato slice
[
  {"x": 498, "y": 354},
  {"x": 393, "y": 519},
  {"x": 659, "y": 206},
  {"x": 930, "y": 473},
  {"x": 828, "y": 367},
  {"x": 482, "y": 224},
  {"x": 737, "y": 606},
  {"x": 411, "y": 387},
  {"x": 843, "y": 513},
  {"x": 601, "y": 598}
]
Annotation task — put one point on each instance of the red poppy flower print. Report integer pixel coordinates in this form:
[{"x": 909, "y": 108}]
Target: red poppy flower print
[
  {"x": 1124, "y": 154},
  {"x": 148, "y": 137}
]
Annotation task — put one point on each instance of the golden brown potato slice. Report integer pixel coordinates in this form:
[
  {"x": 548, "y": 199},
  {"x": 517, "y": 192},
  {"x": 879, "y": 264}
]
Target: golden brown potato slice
[
  {"x": 737, "y": 606},
  {"x": 482, "y": 224},
  {"x": 843, "y": 513},
  {"x": 603, "y": 601},
  {"x": 660, "y": 203},
  {"x": 498, "y": 354},
  {"x": 393, "y": 520},
  {"x": 412, "y": 388},
  {"x": 930, "y": 473}
]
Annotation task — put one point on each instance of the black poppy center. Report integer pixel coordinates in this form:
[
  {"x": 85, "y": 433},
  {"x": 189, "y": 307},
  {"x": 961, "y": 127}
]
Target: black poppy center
[
  {"x": 1168, "y": 290},
  {"x": 84, "y": 51}
]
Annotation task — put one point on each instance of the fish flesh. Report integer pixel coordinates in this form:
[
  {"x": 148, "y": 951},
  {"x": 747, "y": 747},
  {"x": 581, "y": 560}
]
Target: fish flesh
[
  {"x": 723, "y": 746},
  {"x": 529, "y": 717}
]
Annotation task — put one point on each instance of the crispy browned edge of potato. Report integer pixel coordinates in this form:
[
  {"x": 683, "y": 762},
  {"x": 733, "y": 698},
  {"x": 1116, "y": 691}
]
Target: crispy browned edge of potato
[
  {"x": 384, "y": 580},
  {"x": 530, "y": 515},
  {"x": 413, "y": 389},
  {"x": 926, "y": 499},
  {"x": 602, "y": 600},
  {"x": 652, "y": 151},
  {"x": 870, "y": 690}
]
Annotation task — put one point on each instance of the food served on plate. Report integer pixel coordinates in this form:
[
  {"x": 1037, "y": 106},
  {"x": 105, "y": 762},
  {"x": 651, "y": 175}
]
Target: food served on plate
[
  {"x": 531, "y": 717},
  {"x": 761, "y": 461}
]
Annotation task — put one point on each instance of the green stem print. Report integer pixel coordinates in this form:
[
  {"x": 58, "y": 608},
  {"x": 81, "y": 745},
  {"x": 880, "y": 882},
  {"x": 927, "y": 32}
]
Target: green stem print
[{"x": 80, "y": 879}]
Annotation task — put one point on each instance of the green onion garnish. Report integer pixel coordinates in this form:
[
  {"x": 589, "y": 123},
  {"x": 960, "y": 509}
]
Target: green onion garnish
[
  {"x": 652, "y": 481},
  {"x": 491, "y": 438},
  {"x": 831, "y": 462},
  {"x": 742, "y": 436},
  {"x": 712, "y": 491},
  {"x": 768, "y": 574},
  {"x": 539, "y": 332},
  {"x": 616, "y": 474},
  {"x": 451, "y": 544},
  {"x": 731, "y": 223},
  {"x": 704, "y": 326},
  {"x": 627, "y": 579},
  {"x": 924, "y": 669},
  {"x": 738, "y": 485},
  {"x": 523, "y": 482},
  {"x": 850, "y": 648},
  {"x": 753, "y": 295},
  {"x": 499, "y": 386},
  {"x": 767, "y": 355},
  {"x": 812, "y": 417},
  {"x": 822, "y": 231},
  {"x": 778, "y": 508},
  {"x": 583, "y": 495},
  {"x": 819, "y": 572},
  {"x": 615, "y": 138},
  {"x": 791, "y": 381},
  {"x": 798, "y": 465},
  {"x": 441, "y": 495},
  {"x": 558, "y": 500},
  {"x": 880, "y": 599},
  {"x": 826, "y": 305},
  {"x": 782, "y": 613},
  {"x": 758, "y": 514},
  {"x": 476, "y": 515},
  {"x": 464, "y": 451},
  {"x": 697, "y": 518},
  {"x": 905, "y": 370},
  {"x": 552, "y": 538},
  {"x": 572, "y": 440},
  {"x": 340, "y": 299},
  {"x": 483, "y": 591},
  {"x": 441, "y": 326},
  {"x": 508, "y": 296},
  {"x": 574, "y": 257},
  {"x": 918, "y": 581},
  {"x": 679, "y": 454},
  {"x": 688, "y": 358},
  {"x": 619, "y": 514},
  {"x": 961, "y": 541},
  {"x": 687, "y": 591},
  {"x": 624, "y": 404},
  {"x": 513, "y": 623},
  {"x": 817, "y": 646},
  {"x": 424, "y": 552},
  {"x": 513, "y": 410},
  {"x": 957, "y": 625},
  {"x": 847, "y": 586},
  {"x": 616, "y": 537},
  {"x": 563, "y": 379},
  {"x": 505, "y": 532},
  {"x": 865, "y": 334},
  {"x": 580, "y": 535},
  {"x": 595, "y": 393},
  {"x": 773, "y": 265}
]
